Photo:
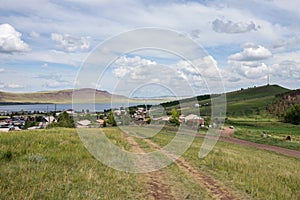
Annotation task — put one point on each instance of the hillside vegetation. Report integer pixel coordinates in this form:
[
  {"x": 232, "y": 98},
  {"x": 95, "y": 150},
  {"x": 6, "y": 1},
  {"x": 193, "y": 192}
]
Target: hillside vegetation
[
  {"x": 244, "y": 102},
  {"x": 284, "y": 101}
]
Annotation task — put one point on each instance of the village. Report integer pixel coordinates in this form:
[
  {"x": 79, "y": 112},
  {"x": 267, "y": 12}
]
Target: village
[{"x": 139, "y": 116}]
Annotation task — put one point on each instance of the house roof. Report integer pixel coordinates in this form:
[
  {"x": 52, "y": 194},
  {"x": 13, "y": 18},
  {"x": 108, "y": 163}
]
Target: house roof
[
  {"x": 192, "y": 117},
  {"x": 49, "y": 118},
  {"x": 84, "y": 122}
]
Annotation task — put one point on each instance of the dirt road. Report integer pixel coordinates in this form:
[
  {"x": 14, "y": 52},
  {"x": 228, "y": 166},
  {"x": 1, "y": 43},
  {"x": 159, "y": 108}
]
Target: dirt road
[
  {"x": 158, "y": 187},
  {"x": 213, "y": 186},
  {"x": 227, "y": 133}
]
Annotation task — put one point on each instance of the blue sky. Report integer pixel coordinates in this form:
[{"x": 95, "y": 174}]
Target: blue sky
[{"x": 43, "y": 43}]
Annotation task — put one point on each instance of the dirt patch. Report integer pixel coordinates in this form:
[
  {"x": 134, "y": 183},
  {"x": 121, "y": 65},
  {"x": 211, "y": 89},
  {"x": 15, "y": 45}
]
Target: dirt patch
[
  {"x": 215, "y": 189},
  {"x": 157, "y": 186}
]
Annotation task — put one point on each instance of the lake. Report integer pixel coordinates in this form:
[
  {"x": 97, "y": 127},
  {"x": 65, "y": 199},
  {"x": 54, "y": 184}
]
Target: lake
[{"x": 60, "y": 107}]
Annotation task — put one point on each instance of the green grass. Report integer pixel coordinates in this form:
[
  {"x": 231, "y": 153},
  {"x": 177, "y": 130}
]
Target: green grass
[
  {"x": 250, "y": 172},
  {"x": 53, "y": 164},
  {"x": 178, "y": 179},
  {"x": 246, "y": 102},
  {"x": 252, "y": 129}
]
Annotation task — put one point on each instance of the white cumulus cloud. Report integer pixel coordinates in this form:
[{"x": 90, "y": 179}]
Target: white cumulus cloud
[
  {"x": 130, "y": 65},
  {"x": 70, "y": 43},
  {"x": 221, "y": 26},
  {"x": 250, "y": 62},
  {"x": 260, "y": 70},
  {"x": 251, "y": 52},
  {"x": 10, "y": 40}
]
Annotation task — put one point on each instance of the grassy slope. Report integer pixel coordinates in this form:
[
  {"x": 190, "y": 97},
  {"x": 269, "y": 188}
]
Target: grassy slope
[
  {"x": 252, "y": 101},
  {"x": 53, "y": 164},
  {"x": 247, "y": 102}
]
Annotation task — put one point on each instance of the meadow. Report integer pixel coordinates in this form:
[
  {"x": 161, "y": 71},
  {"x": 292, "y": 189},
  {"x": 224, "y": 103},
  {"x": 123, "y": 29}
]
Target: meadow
[
  {"x": 54, "y": 164},
  {"x": 253, "y": 129}
]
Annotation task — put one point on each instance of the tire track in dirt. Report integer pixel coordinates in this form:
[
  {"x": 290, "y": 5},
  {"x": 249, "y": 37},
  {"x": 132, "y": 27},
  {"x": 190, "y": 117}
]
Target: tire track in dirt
[
  {"x": 214, "y": 188},
  {"x": 157, "y": 187},
  {"x": 227, "y": 136}
]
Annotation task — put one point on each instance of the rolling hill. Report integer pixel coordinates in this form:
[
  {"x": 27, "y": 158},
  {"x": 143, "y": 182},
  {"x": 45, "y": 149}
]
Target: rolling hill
[
  {"x": 62, "y": 96},
  {"x": 251, "y": 101}
]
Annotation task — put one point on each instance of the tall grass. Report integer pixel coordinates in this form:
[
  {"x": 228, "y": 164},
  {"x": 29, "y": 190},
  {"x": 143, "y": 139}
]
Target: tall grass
[
  {"x": 253, "y": 173},
  {"x": 53, "y": 164}
]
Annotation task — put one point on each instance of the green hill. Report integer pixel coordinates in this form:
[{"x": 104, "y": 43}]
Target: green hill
[{"x": 251, "y": 101}]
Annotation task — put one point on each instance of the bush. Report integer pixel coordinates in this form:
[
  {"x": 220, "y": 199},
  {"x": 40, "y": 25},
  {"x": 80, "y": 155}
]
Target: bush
[
  {"x": 174, "y": 117},
  {"x": 292, "y": 115}
]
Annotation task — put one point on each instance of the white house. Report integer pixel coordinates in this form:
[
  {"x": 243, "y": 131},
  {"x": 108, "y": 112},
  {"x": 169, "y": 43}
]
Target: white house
[{"x": 83, "y": 123}]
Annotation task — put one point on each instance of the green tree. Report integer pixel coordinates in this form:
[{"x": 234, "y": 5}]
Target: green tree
[
  {"x": 292, "y": 115},
  {"x": 111, "y": 119},
  {"x": 174, "y": 117},
  {"x": 64, "y": 120}
]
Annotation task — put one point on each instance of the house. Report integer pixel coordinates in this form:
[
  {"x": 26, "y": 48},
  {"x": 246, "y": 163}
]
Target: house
[
  {"x": 193, "y": 118},
  {"x": 100, "y": 121},
  {"x": 49, "y": 119},
  {"x": 6, "y": 129},
  {"x": 83, "y": 123},
  {"x": 70, "y": 111}
]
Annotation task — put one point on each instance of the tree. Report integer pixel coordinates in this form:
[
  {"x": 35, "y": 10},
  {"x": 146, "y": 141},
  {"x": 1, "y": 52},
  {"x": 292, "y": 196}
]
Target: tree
[
  {"x": 292, "y": 115},
  {"x": 64, "y": 120},
  {"x": 111, "y": 119},
  {"x": 174, "y": 117}
]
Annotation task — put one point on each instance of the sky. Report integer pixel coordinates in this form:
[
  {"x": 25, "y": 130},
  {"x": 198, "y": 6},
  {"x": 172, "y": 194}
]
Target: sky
[{"x": 45, "y": 43}]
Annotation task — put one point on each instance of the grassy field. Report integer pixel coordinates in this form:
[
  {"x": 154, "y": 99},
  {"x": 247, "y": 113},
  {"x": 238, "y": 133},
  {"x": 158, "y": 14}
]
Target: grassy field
[
  {"x": 252, "y": 173},
  {"x": 251, "y": 129},
  {"x": 53, "y": 164}
]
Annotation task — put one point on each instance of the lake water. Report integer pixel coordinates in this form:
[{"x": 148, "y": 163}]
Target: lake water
[{"x": 61, "y": 107}]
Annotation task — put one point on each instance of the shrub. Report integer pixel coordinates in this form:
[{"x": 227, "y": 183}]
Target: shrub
[{"x": 292, "y": 115}]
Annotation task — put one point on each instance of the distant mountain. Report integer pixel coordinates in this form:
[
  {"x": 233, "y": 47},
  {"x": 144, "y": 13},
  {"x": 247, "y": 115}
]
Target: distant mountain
[{"x": 62, "y": 96}]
